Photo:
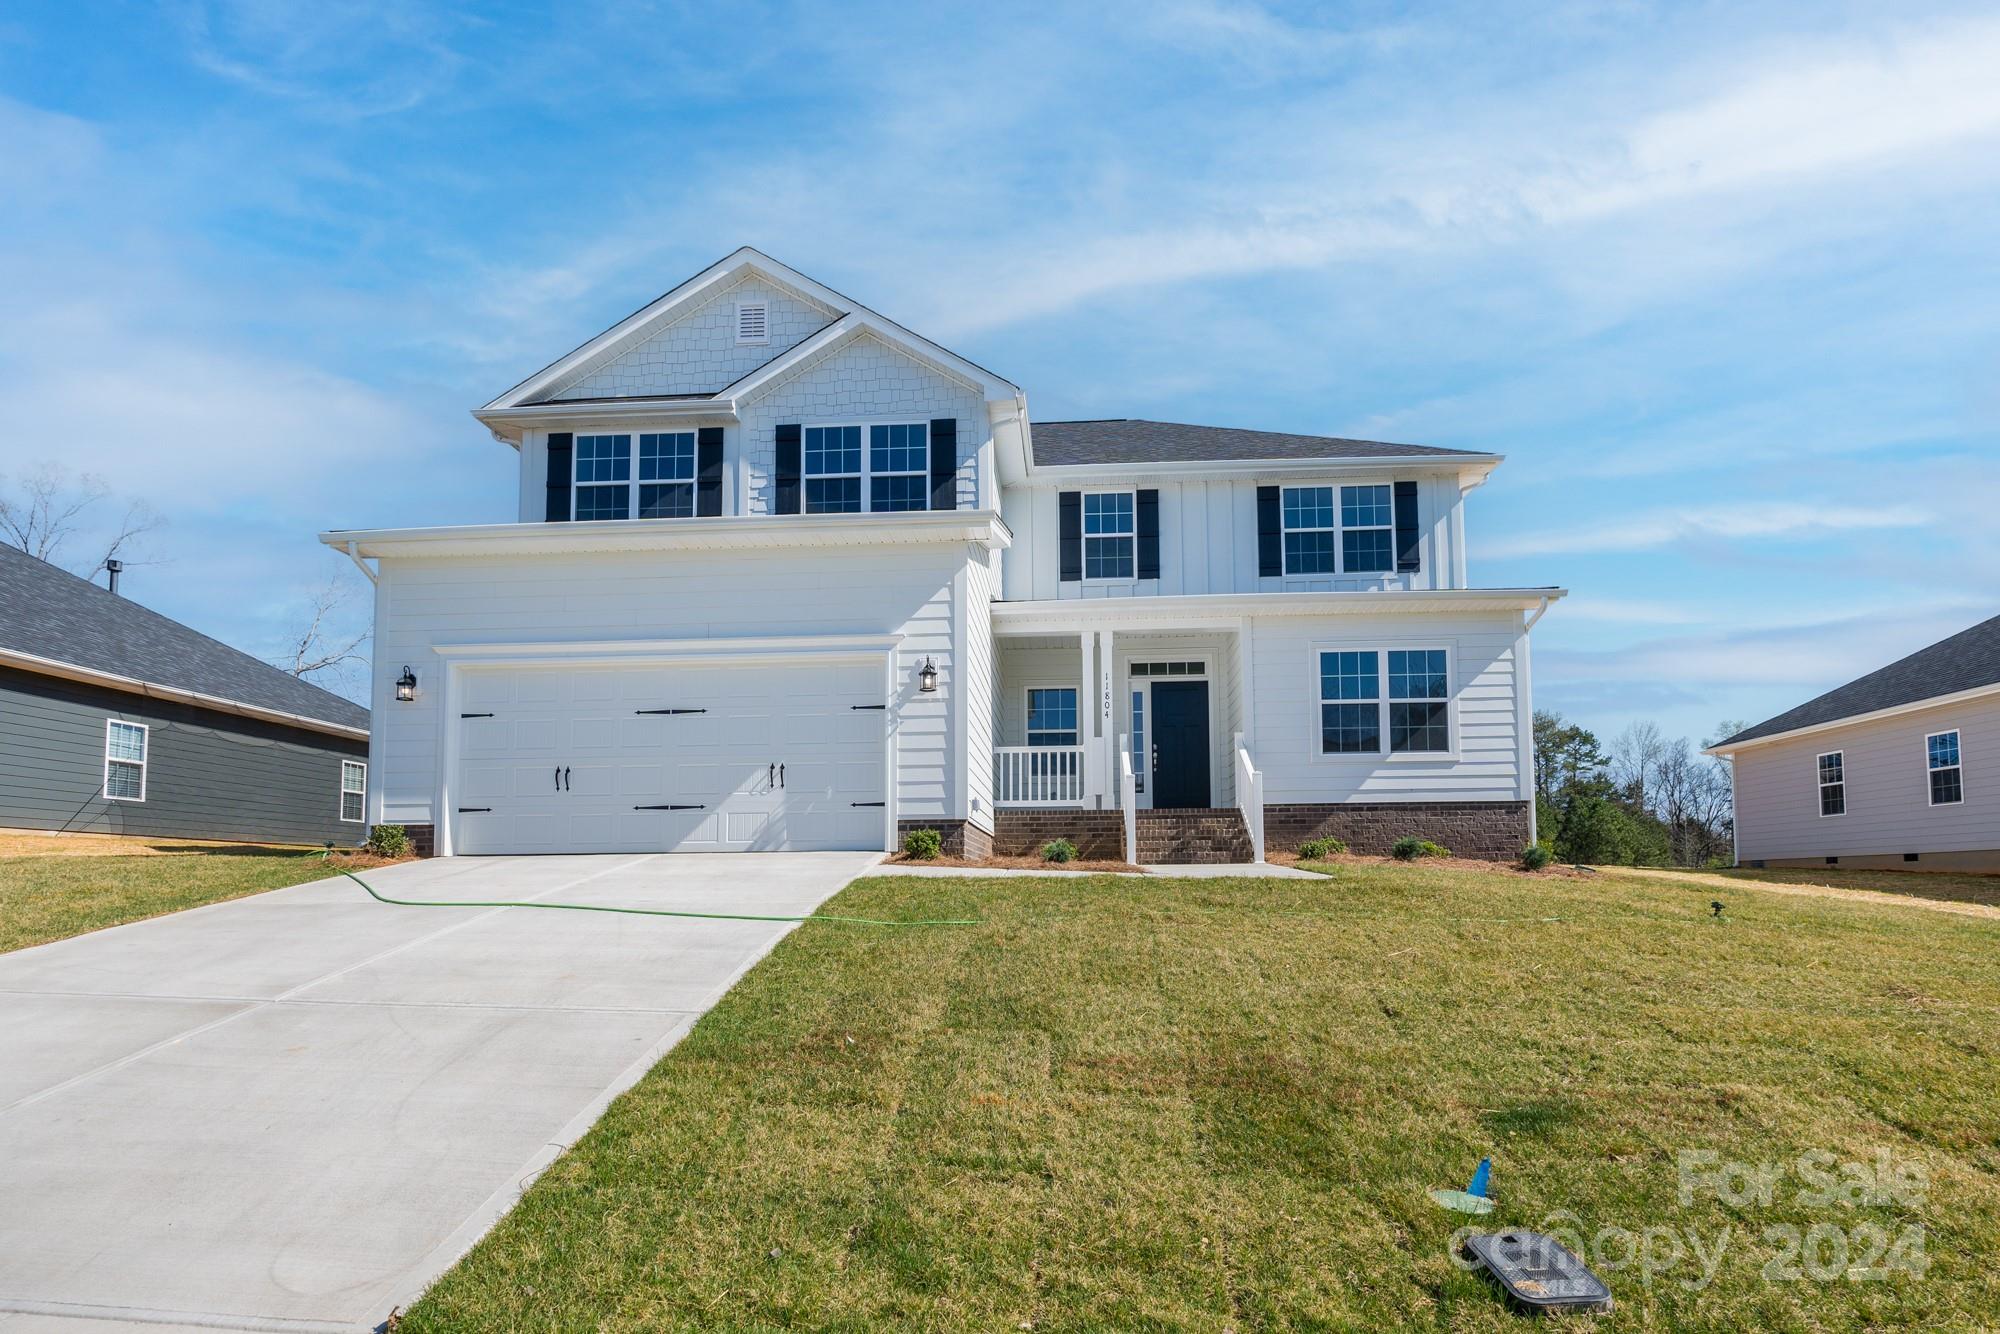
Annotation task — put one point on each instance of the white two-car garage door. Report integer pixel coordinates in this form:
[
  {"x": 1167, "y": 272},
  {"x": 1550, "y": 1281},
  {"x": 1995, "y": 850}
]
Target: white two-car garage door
[{"x": 671, "y": 758}]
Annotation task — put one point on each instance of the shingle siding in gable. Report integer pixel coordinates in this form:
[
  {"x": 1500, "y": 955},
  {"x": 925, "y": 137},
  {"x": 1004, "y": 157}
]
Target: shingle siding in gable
[
  {"x": 698, "y": 353},
  {"x": 862, "y": 381}
]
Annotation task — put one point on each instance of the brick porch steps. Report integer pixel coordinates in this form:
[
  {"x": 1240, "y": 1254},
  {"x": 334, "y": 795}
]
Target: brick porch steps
[{"x": 1180, "y": 837}]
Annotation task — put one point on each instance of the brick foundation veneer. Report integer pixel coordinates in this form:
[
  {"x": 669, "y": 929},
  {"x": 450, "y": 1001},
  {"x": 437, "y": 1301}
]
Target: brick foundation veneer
[
  {"x": 1490, "y": 830},
  {"x": 962, "y": 838},
  {"x": 423, "y": 839},
  {"x": 1021, "y": 831}
]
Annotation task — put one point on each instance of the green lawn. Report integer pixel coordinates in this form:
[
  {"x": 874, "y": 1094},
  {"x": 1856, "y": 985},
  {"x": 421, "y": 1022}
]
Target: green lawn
[
  {"x": 48, "y": 896},
  {"x": 1943, "y": 885},
  {"x": 1126, "y": 1103}
]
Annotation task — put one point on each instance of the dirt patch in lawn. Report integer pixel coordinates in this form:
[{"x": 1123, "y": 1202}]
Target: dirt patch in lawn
[
  {"x": 39, "y": 843},
  {"x": 1914, "y": 896}
]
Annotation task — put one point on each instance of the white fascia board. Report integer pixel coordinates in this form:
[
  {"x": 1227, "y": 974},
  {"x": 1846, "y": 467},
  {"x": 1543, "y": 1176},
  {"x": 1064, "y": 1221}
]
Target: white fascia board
[
  {"x": 508, "y": 423},
  {"x": 1086, "y": 474},
  {"x": 1894, "y": 711},
  {"x": 1203, "y": 610},
  {"x": 69, "y": 671},
  {"x": 983, "y": 528}
]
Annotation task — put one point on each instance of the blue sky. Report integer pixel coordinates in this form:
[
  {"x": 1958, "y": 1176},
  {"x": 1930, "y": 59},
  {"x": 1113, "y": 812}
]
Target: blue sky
[{"x": 1722, "y": 281}]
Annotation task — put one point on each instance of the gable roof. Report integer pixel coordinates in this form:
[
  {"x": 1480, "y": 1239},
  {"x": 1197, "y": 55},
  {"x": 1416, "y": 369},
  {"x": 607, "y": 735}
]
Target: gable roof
[
  {"x": 51, "y": 616},
  {"x": 534, "y": 394},
  {"x": 1968, "y": 660},
  {"x": 1133, "y": 440}
]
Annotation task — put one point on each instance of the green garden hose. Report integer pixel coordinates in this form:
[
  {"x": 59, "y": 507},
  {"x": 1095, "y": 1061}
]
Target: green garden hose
[{"x": 651, "y": 912}]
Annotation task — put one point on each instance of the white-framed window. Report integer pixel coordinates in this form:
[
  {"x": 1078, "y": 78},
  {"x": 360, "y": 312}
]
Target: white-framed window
[
  {"x": 832, "y": 469},
  {"x": 608, "y": 486},
  {"x": 753, "y": 322},
  {"x": 1139, "y": 741},
  {"x": 125, "y": 747},
  {"x": 1052, "y": 716},
  {"x": 899, "y": 467},
  {"x": 353, "y": 790},
  {"x": 1832, "y": 769},
  {"x": 1339, "y": 530},
  {"x": 1947, "y": 775},
  {"x": 1110, "y": 535},
  {"x": 1385, "y": 701},
  {"x": 890, "y": 475}
]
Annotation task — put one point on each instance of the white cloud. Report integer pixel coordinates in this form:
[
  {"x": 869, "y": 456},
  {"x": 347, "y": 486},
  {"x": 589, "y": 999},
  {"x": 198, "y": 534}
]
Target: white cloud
[{"x": 1664, "y": 527}]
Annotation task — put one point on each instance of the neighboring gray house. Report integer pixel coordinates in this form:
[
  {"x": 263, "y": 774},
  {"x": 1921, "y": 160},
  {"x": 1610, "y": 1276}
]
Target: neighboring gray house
[
  {"x": 117, "y": 720},
  {"x": 1894, "y": 771}
]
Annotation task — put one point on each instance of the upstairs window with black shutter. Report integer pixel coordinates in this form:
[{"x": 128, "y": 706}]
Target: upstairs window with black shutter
[
  {"x": 604, "y": 477},
  {"x": 833, "y": 470},
  {"x": 658, "y": 484},
  {"x": 899, "y": 462},
  {"x": 1338, "y": 530}
]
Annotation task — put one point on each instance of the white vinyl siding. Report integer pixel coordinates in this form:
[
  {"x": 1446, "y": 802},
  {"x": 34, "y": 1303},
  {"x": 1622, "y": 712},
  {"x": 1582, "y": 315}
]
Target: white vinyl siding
[
  {"x": 353, "y": 791},
  {"x": 125, "y": 747}
]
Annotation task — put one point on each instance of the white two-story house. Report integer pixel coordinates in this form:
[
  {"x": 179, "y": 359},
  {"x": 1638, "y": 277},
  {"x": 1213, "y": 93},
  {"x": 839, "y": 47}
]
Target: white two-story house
[{"x": 787, "y": 575}]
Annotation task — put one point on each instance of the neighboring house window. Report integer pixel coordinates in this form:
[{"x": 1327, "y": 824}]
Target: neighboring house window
[
  {"x": 1947, "y": 778},
  {"x": 353, "y": 789},
  {"x": 1419, "y": 700},
  {"x": 1350, "y": 709},
  {"x": 1354, "y": 698},
  {"x": 604, "y": 477},
  {"x": 124, "y": 760},
  {"x": 753, "y": 322},
  {"x": 1355, "y": 536},
  {"x": 833, "y": 469},
  {"x": 1109, "y": 542},
  {"x": 1833, "y": 783},
  {"x": 1052, "y": 717},
  {"x": 1138, "y": 741},
  {"x": 666, "y": 475},
  {"x": 899, "y": 460}
]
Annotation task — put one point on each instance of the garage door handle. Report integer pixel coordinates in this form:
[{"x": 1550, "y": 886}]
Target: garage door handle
[
  {"x": 670, "y": 710},
  {"x": 670, "y": 808},
  {"x": 469, "y": 810},
  {"x": 558, "y": 778},
  {"x": 475, "y": 715},
  {"x": 868, "y": 706},
  {"x": 865, "y": 803},
  {"x": 781, "y": 775},
  {"x": 565, "y": 778}
]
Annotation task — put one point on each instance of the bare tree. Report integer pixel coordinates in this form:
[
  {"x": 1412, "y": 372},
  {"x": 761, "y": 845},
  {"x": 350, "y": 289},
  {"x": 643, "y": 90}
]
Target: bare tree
[
  {"x": 1636, "y": 756},
  {"x": 319, "y": 647},
  {"x": 50, "y": 509}
]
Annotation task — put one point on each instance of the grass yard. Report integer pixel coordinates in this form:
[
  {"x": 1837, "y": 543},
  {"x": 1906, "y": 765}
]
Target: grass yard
[
  {"x": 57, "y": 888},
  {"x": 1155, "y": 1103},
  {"x": 1945, "y": 886}
]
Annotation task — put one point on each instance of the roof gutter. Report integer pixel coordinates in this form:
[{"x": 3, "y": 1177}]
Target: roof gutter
[{"x": 69, "y": 671}]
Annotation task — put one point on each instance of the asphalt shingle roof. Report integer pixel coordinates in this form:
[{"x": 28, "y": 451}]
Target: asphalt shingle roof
[
  {"x": 1966, "y": 661},
  {"x": 1131, "y": 440},
  {"x": 51, "y": 613}
]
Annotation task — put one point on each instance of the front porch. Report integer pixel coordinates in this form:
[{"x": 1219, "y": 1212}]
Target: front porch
[{"x": 1125, "y": 721}]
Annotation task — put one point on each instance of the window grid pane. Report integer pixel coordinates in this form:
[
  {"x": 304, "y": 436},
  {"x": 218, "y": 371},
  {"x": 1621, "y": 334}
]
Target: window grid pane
[
  {"x": 125, "y": 741},
  {"x": 1350, "y": 729},
  {"x": 1107, "y": 513},
  {"x": 667, "y": 458},
  {"x": 833, "y": 451},
  {"x": 604, "y": 458},
  {"x": 604, "y": 502},
  {"x": 833, "y": 495},
  {"x": 1309, "y": 553},
  {"x": 1833, "y": 799},
  {"x": 1349, "y": 676},
  {"x": 122, "y": 780},
  {"x": 1308, "y": 507},
  {"x": 1943, "y": 750},
  {"x": 353, "y": 777},
  {"x": 1419, "y": 727},
  {"x": 666, "y": 500},
  {"x": 1052, "y": 717},
  {"x": 1417, "y": 674},
  {"x": 899, "y": 449},
  {"x": 1109, "y": 558},
  {"x": 1364, "y": 507},
  {"x": 1369, "y": 551},
  {"x": 897, "y": 493},
  {"x": 1945, "y": 787}
]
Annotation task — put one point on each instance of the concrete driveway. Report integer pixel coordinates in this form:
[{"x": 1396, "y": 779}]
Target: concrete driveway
[{"x": 295, "y": 1110}]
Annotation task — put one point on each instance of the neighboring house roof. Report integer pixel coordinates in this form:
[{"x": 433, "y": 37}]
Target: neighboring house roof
[
  {"x": 49, "y": 614},
  {"x": 1969, "y": 660},
  {"x": 1132, "y": 440}
]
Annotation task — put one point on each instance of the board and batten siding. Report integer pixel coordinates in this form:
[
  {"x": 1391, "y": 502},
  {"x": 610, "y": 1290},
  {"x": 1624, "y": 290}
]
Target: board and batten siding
[
  {"x": 1208, "y": 540},
  {"x": 549, "y": 600},
  {"x": 862, "y": 381},
  {"x": 209, "y": 775},
  {"x": 1489, "y": 714},
  {"x": 1888, "y": 789}
]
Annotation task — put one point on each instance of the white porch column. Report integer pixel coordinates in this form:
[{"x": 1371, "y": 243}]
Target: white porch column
[
  {"x": 1086, "y": 716},
  {"x": 1107, "y": 731}
]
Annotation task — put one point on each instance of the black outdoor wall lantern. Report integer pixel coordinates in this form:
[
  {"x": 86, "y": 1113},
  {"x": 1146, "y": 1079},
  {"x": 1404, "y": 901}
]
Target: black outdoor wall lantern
[
  {"x": 927, "y": 677},
  {"x": 406, "y": 686}
]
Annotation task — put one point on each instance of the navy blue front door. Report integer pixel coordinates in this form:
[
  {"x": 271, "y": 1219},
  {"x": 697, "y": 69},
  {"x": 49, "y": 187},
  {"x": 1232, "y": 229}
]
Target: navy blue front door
[{"x": 1180, "y": 744}]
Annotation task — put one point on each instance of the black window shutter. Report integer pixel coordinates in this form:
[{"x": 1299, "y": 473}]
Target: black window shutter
[
  {"x": 1270, "y": 538},
  {"x": 708, "y": 471},
  {"x": 791, "y": 462},
  {"x": 1409, "y": 555},
  {"x": 1146, "y": 521},
  {"x": 944, "y": 463},
  {"x": 560, "y": 443},
  {"x": 1069, "y": 528}
]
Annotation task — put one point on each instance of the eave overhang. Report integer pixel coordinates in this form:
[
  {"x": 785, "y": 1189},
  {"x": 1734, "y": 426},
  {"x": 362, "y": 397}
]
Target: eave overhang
[
  {"x": 983, "y": 528},
  {"x": 1472, "y": 469},
  {"x": 1873, "y": 715},
  {"x": 1191, "y": 610},
  {"x": 69, "y": 671}
]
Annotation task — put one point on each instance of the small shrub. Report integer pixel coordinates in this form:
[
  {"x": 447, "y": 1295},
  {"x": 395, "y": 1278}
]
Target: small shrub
[
  {"x": 1319, "y": 849},
  {"x": 923, "y": 845},
  {"x": 1059, "y": 850},
  {"x": 1535, "y": 856},
  {"x": 389, "y": 840},
  {"x": 1410, "y": 848}
]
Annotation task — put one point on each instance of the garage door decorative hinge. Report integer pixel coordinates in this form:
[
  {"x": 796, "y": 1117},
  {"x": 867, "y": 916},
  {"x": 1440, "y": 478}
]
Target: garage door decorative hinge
[
  {"x": 670, "y": 710},
  {"x": 475, "y": 715},
  {"x": 866, "y": 803},
  {"x": 670, "y": 808},
  {"x": 868, "y": 706},
  {"x": 471, "y": 810}
]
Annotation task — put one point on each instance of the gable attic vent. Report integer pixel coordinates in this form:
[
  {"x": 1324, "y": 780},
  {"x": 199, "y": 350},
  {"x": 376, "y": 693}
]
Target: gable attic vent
[{"x": 752, "y": 322}]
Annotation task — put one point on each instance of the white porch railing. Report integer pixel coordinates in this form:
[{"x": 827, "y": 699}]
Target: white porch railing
[
  {"x": 1128, "y": 798},
  {"x": 1038, "y": 776},
  {"x": 1250, "y": 798}
]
